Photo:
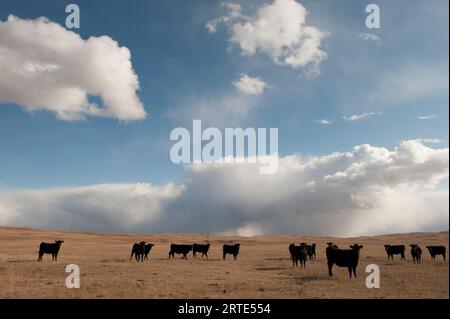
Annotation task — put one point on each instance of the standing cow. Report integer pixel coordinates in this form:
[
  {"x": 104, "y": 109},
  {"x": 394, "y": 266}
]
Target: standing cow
[
  {"x": 138, "y": 251},
  {"x": 147, "y": 249},
  {"x": 436, "y": 250},
  {"x": 231, "y": 249},
  {"x": 416, "y": 253},
  {"x": 343, "y": 258},
  {"x": 299, "y": 253},
  {"x": 392, "y": 250},
  {"x": 311, "y": 251},
  {"x": 50, "y": 248},
  {"x": 200, "y": 248},
  {"x": 179, "y": 249}
]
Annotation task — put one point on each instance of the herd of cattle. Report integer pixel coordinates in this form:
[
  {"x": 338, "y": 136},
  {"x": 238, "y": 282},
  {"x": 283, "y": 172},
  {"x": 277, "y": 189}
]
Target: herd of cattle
[{"x": 299, "y": 253}]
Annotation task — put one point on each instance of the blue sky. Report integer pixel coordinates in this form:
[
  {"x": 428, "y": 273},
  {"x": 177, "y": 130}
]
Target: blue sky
[{"x": 179, "y": 64}]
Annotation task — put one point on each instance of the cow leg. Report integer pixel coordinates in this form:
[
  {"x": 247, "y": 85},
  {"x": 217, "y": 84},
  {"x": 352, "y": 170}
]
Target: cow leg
[
  {"x": 330, "y": 268},
  {"x": 350, "y": 271},
  {"x": 56, "y": 257},
  {"x": 131, "y": 255},
  {"x": 354, "y": 271}
]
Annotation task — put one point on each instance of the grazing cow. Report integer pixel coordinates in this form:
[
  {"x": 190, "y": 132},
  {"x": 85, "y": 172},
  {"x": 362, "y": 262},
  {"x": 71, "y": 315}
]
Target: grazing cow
[
  {"x": 343, "y": 258},
  {"x": 392, "y": 250},
  {"x": 231, "y": 249},
  {"x": 179, "y": 249},
  {"x": 436, "y": 250},
  {"x": 416, "y": 253},
  {"x": 200, "y": 248},
  {"x": 147, "y": 249},
  {"x": 50, "y": 248},
  {"x": 138, "y": 251},
  {"x": 299, "y": 253}
]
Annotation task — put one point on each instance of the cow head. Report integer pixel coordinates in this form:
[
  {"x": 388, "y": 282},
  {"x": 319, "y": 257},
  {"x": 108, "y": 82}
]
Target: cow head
[
  {"x": 59, "y": 242},
  {"x": 330, "y": 244},
  {"x": 356, "y": 248},
  {"x": 150, "y": 245},
  {"x": 303, "y": 244},
  {"x": 413, "y": 245},
  {"x": 387, "y": 247}
]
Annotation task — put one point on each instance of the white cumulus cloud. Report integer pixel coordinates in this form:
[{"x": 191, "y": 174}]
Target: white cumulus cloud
[
  {"x": 366, "y": 190},
  {"x": 44, "y": 66},
  {"x": 249, "y": 85},
  {"x": 279, "y": 30}
]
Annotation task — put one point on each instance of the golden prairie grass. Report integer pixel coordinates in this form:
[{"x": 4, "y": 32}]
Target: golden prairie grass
[{"x": 263, "y": 268}]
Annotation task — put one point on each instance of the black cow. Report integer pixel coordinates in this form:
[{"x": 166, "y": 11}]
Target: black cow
[
  {"x": 50, "y": 248},
  {"x": 200, "y": 248},
  {"x": 343, "y": 258},
  {"x": 231, "y": 249},
  {"x": 138, "y": 251},
  {"x": 331, "y": 245},
  {"x": 147, "y": 249},
  {"x": 392, "y": 250},
  {"x": 311, "y": 251},
  {"x": 299, "y": 253},
  {"x": 436, "y": 250},
  {"x": 179, "y": 249},
  {"x": 416, "y": 253}
]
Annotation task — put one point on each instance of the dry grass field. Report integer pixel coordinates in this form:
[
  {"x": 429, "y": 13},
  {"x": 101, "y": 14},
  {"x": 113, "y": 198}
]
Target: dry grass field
[{"x": 263, "y": 268}]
